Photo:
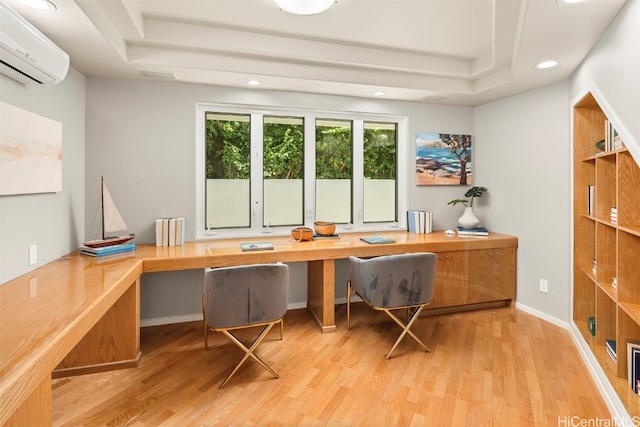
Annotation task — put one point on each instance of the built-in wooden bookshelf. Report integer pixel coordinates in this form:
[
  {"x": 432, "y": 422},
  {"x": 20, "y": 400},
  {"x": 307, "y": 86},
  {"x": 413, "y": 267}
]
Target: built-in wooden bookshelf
[{"x": 605, "y": 248}]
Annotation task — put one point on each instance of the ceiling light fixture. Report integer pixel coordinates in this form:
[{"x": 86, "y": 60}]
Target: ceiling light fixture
[
  {"x": 253, "y": 82},
  {"x": 40, "y": 4},
  {"x": 546, "y": 64},
  {"x": 378, "y": 93},
  {"x": 304, "y": 7}
]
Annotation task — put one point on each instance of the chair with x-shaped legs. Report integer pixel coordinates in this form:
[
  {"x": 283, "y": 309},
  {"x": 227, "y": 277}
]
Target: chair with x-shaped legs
[
  {"x": 244, "y": 297},
  {"x": 394, "y": 282}
]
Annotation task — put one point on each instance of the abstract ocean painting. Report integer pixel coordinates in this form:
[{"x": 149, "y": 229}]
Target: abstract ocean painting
[{"x": 443, "y": 159}]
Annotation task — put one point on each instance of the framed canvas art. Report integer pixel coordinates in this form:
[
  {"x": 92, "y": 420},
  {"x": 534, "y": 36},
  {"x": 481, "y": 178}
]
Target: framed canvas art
[
  {"x": 443, "y": 159},
  {"x": 30, "y": 152}
]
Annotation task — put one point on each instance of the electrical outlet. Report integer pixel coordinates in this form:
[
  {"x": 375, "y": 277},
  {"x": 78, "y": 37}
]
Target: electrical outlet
[
  {"x": 33, "y": 254},
  {"x": 544, "y": 286}
]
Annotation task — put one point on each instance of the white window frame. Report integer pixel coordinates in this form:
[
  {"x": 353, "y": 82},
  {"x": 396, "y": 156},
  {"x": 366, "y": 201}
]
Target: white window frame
[{"x": 309, "y": 116}]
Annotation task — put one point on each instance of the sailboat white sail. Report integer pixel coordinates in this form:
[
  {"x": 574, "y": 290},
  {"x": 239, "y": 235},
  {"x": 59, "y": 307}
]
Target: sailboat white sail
[{"x": 112, "y": 222}]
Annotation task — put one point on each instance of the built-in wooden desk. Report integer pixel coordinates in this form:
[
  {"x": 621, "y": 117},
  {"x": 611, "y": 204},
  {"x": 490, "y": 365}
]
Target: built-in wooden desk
[{"x": 78, "y": 314}]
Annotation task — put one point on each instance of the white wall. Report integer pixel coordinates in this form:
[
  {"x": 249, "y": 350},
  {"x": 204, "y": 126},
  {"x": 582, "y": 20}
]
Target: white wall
[
  {"x": 526, "y": 141},
  {"x": 52, "y": 221}
]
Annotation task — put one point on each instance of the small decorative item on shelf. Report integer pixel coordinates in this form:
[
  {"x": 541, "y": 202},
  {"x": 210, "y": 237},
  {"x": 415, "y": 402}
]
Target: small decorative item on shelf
[
  {"x": 468, "y": 218},
  {"x": 614, "y": 283},
  {"x": 592, "y": 326},
  {"x": 593, "y": 269},
  {"x": 614, "y": 215},
  {"x": 600, "y": 145}
]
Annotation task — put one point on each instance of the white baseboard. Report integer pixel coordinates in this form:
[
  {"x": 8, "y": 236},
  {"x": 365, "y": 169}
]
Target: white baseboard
[
  {"x": 296, "y": 305},
  {"x": 157, "y": 321},
  {"x": 541, "y": 315}
]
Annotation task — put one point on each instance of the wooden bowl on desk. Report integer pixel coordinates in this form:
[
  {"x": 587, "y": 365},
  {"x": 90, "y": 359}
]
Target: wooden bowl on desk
[
  {"x": 302, "y": 234},
  {"x": 324, "y": 228}
]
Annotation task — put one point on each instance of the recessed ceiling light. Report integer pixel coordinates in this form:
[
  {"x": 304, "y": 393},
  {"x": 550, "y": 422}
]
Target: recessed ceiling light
[
  {"x": 40, "y": 4},
  {"x": 304, "y": 7},
  {"x": 378, "y": 93},
  {"x": 253, "y": 82},
  {"x": 570, "y": 1},
  {"x": 546, "y": 64}
]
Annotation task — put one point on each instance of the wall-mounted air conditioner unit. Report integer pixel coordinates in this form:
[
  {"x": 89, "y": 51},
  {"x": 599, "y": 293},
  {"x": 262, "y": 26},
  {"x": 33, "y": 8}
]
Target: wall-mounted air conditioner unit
[{"x": 26, "y": 55}]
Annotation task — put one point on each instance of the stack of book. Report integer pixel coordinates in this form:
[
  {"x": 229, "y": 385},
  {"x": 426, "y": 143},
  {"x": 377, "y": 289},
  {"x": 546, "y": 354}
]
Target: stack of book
[
  {"x": 108, "y": 250},
  {"x": 612, "y": 141},
  {"x": 170, "y": 231},
  {"x": 594, "y": 269},
  {"x": 419, "y": 221},
  {"x": 610, "y": 345},
  {"x": 614, "y": 283},
  {"x": 614, "y": 215},
  {"x": 472, "y": 232},
  {"x": 633, "y": 366}
]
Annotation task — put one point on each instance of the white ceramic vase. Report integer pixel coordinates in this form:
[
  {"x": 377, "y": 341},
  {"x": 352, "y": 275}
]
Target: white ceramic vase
[{"x": 468, "y": 219}]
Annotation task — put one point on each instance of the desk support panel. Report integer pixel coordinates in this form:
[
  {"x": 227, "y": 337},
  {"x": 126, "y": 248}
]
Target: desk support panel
[
  {"x": 36, "y": 410},
  {"x": 321, "y": 292},
  {"x": 112, "y": 343}
]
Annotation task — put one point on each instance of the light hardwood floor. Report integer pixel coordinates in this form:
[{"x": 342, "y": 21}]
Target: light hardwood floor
[{"x": 499, "y": 367}]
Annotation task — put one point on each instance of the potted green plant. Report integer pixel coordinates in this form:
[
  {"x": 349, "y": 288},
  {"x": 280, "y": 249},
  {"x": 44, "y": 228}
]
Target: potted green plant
[{"x": 468, "y": 218}]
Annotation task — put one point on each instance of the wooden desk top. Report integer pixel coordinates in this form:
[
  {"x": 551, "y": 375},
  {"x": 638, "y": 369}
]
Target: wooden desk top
[
  {"x": 45, "y": 313},
  {"x": 226, "y": 252}
]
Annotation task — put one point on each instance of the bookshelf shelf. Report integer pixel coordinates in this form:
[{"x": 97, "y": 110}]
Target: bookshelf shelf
[
  {"x": 608, "y": 289},
  {"x": 608, "y": 240},
  {"x": 631, "y": 310}
]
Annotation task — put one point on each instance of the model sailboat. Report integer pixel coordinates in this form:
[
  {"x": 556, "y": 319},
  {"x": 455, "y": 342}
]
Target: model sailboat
[{"x": 111, "y": 222}]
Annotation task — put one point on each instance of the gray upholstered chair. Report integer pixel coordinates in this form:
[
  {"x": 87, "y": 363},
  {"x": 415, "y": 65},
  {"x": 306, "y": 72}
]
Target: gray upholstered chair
[
  {"x": 243, "y": 297},
  {"x": 394, "y": 282}
]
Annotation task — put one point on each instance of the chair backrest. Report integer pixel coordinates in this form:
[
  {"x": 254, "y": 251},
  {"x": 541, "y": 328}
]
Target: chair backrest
[
  {"x": 245, "y": 295},
  {"x": 394, "y": 280}
]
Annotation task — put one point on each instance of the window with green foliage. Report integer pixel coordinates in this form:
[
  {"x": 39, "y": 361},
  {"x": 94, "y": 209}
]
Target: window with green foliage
[
  {"x": 268, "y": 171},
  {"x": 380, "y": 170},
  {"x": 228, "y": 169},
  {"x": 283, "y": 171},
  {"x": 334, "y": 170},
  {"x": 380, "y": 150}
]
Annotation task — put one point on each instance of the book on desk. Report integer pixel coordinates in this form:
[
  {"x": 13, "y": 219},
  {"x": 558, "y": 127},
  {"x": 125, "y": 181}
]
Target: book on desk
[
  {"x": 108, "y": 250},
  {"x": 256, "y": 246},
  {"x": 472, "y": 232},
  {"x": 375, "y": 240}
]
